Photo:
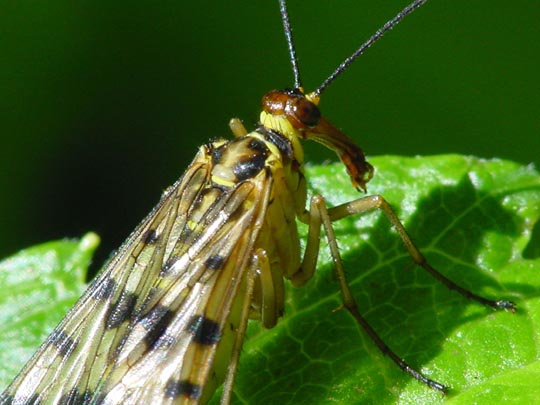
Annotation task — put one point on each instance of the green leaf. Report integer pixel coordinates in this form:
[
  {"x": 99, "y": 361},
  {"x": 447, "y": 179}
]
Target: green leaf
[
  {"x": 472, "y": 218},
  {"x": 38, "y": 286}
]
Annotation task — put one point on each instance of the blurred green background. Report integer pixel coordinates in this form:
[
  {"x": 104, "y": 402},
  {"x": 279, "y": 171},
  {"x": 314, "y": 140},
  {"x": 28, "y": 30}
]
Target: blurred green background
[{"x": 102, "y": 104}]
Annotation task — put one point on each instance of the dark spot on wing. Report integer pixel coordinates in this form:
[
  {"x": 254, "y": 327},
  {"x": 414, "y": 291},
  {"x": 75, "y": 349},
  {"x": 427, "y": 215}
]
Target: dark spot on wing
[
  {"x": 204, "y": 331},
  {"x": 215, "y": 262},
  {"x": 155, "y": 323},
  {"x": 149, "y": 300},
  {"x": 167, "y": 267},
  {"x": 117, "y": 350},
  {"x": 164, "y": 341},
  {"x": 185, "y": 234},
  {"x": 121, "y": 310},
  {"x": 175, "y": 389},
  {"x": 63, "y": 342},
  {"x": 105, "y": 289},
  {"x": 74, "y": 397},
  {"x": 150, "y": 236}
]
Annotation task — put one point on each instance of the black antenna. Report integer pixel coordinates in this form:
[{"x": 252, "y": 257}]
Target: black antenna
[
  {"x": 374, "y": 38},
  {"x": 290, "y": 43}
]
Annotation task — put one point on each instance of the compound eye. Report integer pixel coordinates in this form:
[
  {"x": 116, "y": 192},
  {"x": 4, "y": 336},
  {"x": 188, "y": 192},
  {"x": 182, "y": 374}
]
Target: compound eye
[{"x": 306, "y": 112}]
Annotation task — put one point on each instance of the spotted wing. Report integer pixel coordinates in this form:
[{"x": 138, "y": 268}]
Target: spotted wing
[{"x": 147, "y": 330}]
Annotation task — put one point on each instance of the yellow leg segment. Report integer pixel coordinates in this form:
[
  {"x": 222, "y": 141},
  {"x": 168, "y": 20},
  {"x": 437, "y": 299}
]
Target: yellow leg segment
[
  {"x": 377, "y": 202},
  {"x": 319, "y": 215},
  {"x": 238, "y": 129},
  {"x": 240, "y": 333}
]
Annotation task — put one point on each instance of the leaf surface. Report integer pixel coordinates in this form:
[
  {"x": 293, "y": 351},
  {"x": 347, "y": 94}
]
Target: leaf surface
[{"x": 475, "y": 220}]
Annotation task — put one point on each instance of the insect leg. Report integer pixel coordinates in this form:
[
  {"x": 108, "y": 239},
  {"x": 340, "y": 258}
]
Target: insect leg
[
  {"x": 272, "y": 290},
  {"x": 377, "y": 202},
  {"x": 238, "y": 129},
  {"x": 241, "y": 331},
  {"x": 320, "y": 214}
]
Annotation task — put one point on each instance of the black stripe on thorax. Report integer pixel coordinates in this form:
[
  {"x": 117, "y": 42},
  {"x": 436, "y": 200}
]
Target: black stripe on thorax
[
  {"x": 280, "y": 141},
  {"x": 253, "y": 160}
]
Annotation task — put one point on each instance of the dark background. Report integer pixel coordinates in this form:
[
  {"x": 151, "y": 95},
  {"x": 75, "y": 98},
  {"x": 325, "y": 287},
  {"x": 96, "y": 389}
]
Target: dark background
[{"x": 102, "y": 104}]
